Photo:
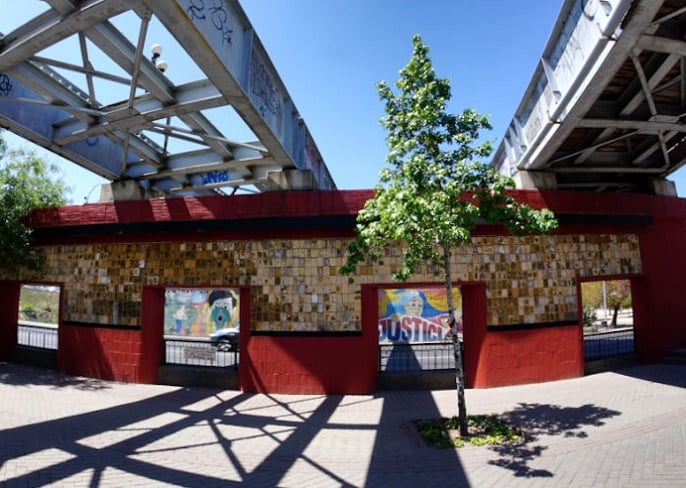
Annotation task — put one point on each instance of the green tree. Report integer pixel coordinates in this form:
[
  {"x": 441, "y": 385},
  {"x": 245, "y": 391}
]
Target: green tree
[
  {"x": 615, "y": 294},
  {"x": 618, "y": 296},
  {"x": 26, "y": 183},
  {"x": 435, "y": 190},
  {"x": 592, "y": 294}
]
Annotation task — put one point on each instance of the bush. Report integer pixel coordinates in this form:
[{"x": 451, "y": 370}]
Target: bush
[
  {"x": 484, "y": 430},
  {"x": 590, "y": 316}
]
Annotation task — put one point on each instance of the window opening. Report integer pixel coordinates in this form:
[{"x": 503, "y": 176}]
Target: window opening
[
  {"x": 39, "y": 311},
  {"x": 608, "y": 319},
  {"x": 201, "y": 326},
  {"x": 414, "y": 334}
]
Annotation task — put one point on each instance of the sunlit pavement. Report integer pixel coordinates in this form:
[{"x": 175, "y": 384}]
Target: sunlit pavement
[{"x": 624, "y": 428}]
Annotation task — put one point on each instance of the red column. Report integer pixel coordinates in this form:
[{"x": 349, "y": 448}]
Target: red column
[{"x": 9, "y": 304}]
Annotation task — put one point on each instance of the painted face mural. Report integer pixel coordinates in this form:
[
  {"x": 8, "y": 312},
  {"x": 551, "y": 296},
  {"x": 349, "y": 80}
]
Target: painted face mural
[
  {"x": 222, "y": 308},
  {"x": 200, "y": 312},
  {"x": 413, "y": 303}
]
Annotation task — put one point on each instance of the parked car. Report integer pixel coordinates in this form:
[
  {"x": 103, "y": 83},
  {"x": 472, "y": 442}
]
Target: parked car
[{"x": 225, "y": 339}]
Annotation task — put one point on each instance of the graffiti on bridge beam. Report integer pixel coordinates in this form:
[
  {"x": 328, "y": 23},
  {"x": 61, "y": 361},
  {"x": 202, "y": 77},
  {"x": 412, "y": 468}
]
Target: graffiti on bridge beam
[
  {"x": 5, "y": 85},
  {"x": 214, "y": 12}
]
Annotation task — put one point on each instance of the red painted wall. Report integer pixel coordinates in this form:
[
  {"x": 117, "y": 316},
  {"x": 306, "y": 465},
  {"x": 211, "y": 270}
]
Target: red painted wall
[
  {"x": 309, "y": 365},
  {"x": 658, "y": 294},
  {"x": 105, "y": 353},
  {"x": 529, "y": 356},
  {"x": 152, "y": 331},
  {"x": 185, "y": 209},
  {"x": 663, "y": 253},
  {"x": 110, "y": 353},
  {"x": 474, "y": 306},
  {"x": 9, "y": 304},
  {"x": 349, "y": 364}
]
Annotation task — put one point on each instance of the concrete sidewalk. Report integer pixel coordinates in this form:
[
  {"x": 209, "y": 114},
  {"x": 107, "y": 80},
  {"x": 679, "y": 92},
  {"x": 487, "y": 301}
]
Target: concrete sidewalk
[{"x": 619, "y": 429}]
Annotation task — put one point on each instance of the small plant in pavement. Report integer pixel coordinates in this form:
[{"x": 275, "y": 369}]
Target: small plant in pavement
[{"x": 483, "y": 430}]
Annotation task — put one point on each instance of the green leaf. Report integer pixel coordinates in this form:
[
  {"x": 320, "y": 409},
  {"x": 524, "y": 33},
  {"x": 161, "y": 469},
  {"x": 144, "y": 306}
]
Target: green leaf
[{"x": 26, "y": 183}]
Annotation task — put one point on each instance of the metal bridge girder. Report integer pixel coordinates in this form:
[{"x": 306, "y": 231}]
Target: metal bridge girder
[
  {"x": 605, "y": 110},
  {"x": 129, "y": 139}
]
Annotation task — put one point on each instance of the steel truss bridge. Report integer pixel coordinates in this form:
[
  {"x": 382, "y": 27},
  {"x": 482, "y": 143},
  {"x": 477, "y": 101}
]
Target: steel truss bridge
[
  {"x": 606, "y": 107},
  {"x": 78, "y": 79}
]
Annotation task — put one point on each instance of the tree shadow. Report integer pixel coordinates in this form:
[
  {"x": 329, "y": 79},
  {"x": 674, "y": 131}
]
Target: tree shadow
[
  {"x": 400, "y": 456},
  {"x": 32, "y": 375},
  {"x": 402, "y": 358},
  {"x": 538, "y": 422}
]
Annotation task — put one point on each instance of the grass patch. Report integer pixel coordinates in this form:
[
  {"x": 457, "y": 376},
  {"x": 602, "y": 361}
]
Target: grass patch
[
  {"x": 483, "y": 430},
  {"x": 39, "y": 304}
]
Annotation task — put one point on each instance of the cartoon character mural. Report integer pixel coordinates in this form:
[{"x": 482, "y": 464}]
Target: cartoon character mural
[
  {"x": 179, "y": 318},
  {"x": 222, "y": 308},
  {"x": 416, "y": 315},
  {"x": 200, "y": 312}
]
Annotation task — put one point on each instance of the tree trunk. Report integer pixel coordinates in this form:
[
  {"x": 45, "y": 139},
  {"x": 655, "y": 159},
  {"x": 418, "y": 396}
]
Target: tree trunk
[
  {"x": 615, "y": 311},
  {"x": 457, "y": 350}
]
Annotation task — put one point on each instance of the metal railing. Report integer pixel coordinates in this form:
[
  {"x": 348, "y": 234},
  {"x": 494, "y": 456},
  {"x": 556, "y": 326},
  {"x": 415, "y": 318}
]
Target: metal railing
[
  {"x": 197, "y": 352},
  {"x": 392, "y": 357},
  {"x": 608, "y": 344},
  {"x": 37, "y": 335},
  {"x": 409, "y": 357}
]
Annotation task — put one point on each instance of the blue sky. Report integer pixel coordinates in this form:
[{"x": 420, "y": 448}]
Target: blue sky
[{"x": 331, "y": 54}]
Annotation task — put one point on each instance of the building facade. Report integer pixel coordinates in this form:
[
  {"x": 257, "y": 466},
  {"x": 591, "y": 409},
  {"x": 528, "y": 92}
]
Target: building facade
[{"x": 304, "y": 328}]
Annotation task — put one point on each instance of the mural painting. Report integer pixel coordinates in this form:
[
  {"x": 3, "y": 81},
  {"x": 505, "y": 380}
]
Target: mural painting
[
  {"x": 416, "y": 315},
  {"x": 198, "y": 312}
]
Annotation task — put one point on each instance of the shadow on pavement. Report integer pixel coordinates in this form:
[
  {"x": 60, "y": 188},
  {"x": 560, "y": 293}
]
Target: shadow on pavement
[
  {"x": 204, "y": 437},
  {"x": 135, "y": 440},
  {"x": 400, "y": 456},
  {"x": 539, "y": 421},
  {"x": 24, "y": 375},
  {"x": 666, "y": 374}
]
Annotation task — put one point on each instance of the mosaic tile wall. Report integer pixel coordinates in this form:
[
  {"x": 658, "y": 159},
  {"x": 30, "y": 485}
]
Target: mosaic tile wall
[{"x": 295, "y": 283}]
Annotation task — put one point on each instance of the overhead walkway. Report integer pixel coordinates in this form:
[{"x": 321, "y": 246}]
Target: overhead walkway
[
  {"x": 606, "y": 105},
  {"x": 604, "y": 110},
  {"x": 79, "y": 79}
]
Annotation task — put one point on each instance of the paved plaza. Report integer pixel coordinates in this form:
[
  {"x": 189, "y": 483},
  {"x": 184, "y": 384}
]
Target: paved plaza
[{"x": 615, "y": 429}]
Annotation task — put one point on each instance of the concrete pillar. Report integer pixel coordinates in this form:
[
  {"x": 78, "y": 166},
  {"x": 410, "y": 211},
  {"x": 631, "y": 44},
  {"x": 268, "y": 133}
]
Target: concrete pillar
[
  {"x": 122, "y": 190},
  {"x": 664, "y": 187},
  {"x": 534, "y": 180},
  {"x": 292, "y": 179}
]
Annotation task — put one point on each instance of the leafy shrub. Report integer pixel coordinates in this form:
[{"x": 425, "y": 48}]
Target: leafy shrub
[
  {"x": 590, "y": 316},
  {"x": 483, "y": 430}
]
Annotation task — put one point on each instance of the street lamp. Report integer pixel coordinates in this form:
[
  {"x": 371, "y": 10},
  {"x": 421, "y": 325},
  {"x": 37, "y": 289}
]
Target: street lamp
[{"x": 160, "y": 64}]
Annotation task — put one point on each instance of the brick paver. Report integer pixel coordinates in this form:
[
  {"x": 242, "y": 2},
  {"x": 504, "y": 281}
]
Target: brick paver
[{"x": 615, "y": 429}]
